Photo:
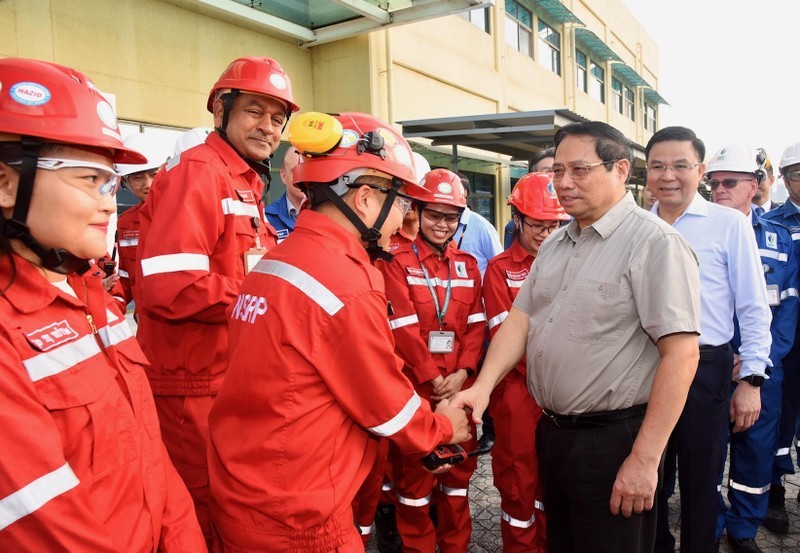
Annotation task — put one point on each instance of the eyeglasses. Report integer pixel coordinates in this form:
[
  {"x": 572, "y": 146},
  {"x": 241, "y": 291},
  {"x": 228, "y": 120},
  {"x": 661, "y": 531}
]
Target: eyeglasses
[
  {"x": 727, "y": 183},
  {"x": 94, "y": 179},
  {"x": 403, "y": 201},
  {"x": 792, "y": 175},
  {"x": 538, "y": 229},
  {"x": 437, "y": 216},
  {"x": 577, "y": 171},
  {"x": 659, "y": 169}
]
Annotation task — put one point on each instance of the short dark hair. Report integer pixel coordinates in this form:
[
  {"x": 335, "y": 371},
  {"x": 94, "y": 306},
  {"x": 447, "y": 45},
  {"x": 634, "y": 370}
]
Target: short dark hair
[
  {"x": 539, "y": 156},
  {"x": 609, "y": 144},
  {"x": 676, "y": 134}
]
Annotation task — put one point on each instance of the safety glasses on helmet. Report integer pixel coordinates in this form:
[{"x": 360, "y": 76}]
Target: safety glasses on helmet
[{"x": 94, "y": 179}]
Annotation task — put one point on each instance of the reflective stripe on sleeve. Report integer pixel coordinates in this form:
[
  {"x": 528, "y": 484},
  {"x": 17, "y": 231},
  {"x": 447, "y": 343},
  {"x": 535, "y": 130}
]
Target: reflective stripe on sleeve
[
  {"x": 782, "y": 451},
  {"x": 61, "y": 358},
  {"x": 400, "y": 420},
  {"x": 772, "y": 254},
  {"x": 304, "y": 282},
  {"x": 436, "y": 281},
  {"x": 789, "y": 292},
  {"x": 796, "y": 236},
  {"x": 497, "y": 319},
  {"x": 517, "y": 523},
  {"x": 28, "y": 499},
  {"x": 365, "y": 530},
  {"x": 476, "y": 318},
  {"x": 128, "y": 242},
  {"x": 174, "y": 263},
  {"x": 411, "y": 502},
  {"x": 236, "y": 207},
  {"x": 453, "y": 492},
  {"x": 538, "y": 505},
  {"x": 748, "y": 489},
  {"x": 387, "y": 487},
  {"x": 123, "y": 274},
  {"x": 400, "y": 322}
]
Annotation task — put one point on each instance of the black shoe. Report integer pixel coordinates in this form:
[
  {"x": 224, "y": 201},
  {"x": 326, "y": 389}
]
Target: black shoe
[
  {"x": 387, "y": 538},
  {"x": 776, "y": 520},
  {"x": 744, "y": 545},
  {"x": 486, "y": 442}
]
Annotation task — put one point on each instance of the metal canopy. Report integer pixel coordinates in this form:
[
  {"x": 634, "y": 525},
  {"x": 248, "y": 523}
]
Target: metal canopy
[
  {"x": 313, "y": 22},
  {"x": 654, "y": 97},
  {"x": 595, "y": 45},
  {"x": 518, "y": 135},
  {"x": 629, "y": 74}
]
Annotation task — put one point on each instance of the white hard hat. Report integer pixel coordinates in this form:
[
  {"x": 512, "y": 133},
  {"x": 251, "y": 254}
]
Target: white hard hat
[
  {"x": 421, "y": 166},
  {"x": 791, "y": 156},
  {"x": 150, "y": 148},
  {"x": 739, "y": 158},
  {"x": 191, "y": 138}
]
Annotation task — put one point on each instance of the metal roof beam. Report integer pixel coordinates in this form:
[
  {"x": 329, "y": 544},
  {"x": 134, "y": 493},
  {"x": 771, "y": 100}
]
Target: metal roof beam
[
  {"x": 244, "y": 14},
  {"x": 370, "y": 11}
]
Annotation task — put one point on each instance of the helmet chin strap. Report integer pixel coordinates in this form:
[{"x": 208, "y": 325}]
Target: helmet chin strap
[
  {"x": 370, "y": 235},
  {"x": 54, "y": 259}
]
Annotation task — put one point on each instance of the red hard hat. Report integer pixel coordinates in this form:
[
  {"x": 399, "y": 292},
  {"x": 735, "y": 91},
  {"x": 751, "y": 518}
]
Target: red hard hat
[
  {"x": 535, "y": 196},
  {"x": 58, "y": 104},
  {"x": 258, "y": 76},
  {"x": 335, "y": 145},
  {"x": 441, "y": 186}
]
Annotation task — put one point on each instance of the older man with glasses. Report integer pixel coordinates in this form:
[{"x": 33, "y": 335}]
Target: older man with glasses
[
  {"x": 608, "y": 319},
  {"x": 731, "y": 283}
]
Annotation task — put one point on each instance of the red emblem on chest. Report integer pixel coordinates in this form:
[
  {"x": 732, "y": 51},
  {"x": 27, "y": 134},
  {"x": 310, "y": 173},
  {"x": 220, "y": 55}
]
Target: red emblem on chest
[
  {"x": 413, "y": 271},
  {"x": 246, "y": 196}
]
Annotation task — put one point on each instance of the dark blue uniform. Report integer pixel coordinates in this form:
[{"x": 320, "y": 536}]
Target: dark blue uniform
[{"x": 753, "y": 451}]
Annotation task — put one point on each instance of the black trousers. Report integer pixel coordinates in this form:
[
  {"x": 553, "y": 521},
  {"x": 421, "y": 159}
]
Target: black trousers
[
  {"x": 698, "y": 442},
  {"x": 578, "y": 468}
]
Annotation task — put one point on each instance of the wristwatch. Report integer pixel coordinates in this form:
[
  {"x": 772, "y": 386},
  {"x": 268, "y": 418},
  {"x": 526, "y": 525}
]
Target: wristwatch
[{"x": 754, "y": 380}]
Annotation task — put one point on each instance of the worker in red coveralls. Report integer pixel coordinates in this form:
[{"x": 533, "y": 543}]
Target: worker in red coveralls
[
  {"x": 439, "y": 325},
  {"x": 313, "y": 381},
  {"x": 83, "y": 465},
  {"x": 536, "y": 213},
  {"x": 200, "y": 231}
]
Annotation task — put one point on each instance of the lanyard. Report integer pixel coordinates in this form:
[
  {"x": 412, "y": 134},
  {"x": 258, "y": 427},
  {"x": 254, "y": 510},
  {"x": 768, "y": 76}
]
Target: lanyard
[{"x": 439, "y": 314}]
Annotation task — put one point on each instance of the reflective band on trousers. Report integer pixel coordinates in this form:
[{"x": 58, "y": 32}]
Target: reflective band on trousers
[
  {"x": 401, "y": 419},
  {"x": 747, "y": 489},
  {"x": 411, "y": 502},
  {"x": 455, "y": 492},
  {"x": 29, "y": 498},
  {"x": 515, "y": 522},
  {"x": 496, "y": 320}
]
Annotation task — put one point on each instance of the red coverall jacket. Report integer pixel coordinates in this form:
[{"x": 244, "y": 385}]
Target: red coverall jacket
[
  {"x": 83, "y": 466},
  {"x": 313, "y": 382},
  {"x": 127, "y": 242},
  {"x": 203, "y": 213},
  {"x": 414, "y": 313}
]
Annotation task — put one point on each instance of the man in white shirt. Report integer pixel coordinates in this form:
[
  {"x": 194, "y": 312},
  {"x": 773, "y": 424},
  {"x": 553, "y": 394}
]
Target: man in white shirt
[{"x": 731, "y": 282}]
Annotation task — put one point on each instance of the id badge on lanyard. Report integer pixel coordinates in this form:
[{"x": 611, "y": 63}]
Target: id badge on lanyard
[
  {"x": 439, "y": 341},
  {"x": 254, "y": 254}
]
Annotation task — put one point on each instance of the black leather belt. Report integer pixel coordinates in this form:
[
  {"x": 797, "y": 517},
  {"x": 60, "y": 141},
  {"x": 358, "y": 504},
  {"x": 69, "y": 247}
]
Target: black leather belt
[{"x": 596, "y": 420}]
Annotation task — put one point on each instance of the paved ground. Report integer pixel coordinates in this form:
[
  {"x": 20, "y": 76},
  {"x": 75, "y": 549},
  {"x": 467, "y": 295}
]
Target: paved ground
[{"x": 485, "y": 506}]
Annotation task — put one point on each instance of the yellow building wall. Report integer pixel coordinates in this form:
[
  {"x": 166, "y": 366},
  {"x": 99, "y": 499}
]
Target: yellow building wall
[{"x": 160, "y": 60}]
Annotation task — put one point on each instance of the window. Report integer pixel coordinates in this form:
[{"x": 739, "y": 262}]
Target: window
[
  {"x": 597, "y": 83},
  {"x": 629, "y": 103},
  {"x": 650, "y": 118},
  {"x": 519, "y": 30},
  {"x": 481, "y": 197},
  {"x": 549, "y": 48},
  {"x": 616, "y": 94},
  {"x": 580, "y": 66},
  {"x": 479, "y": 18}
]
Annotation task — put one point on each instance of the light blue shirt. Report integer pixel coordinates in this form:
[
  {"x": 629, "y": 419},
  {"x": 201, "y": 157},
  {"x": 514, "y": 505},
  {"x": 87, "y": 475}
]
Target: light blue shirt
[
  {"x": 480, "y": 238},
  {"x": 731, "y": 280}
]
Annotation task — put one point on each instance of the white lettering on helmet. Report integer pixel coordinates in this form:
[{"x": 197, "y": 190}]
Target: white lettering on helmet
[{"x": 248, "y": 307}]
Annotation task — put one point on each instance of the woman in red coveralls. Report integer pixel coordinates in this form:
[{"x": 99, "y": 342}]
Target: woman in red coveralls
[
  {"x": 83, "y": 465},
  {"x": 537, "y": 213},
  {"x": 439, "y": 327}
]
